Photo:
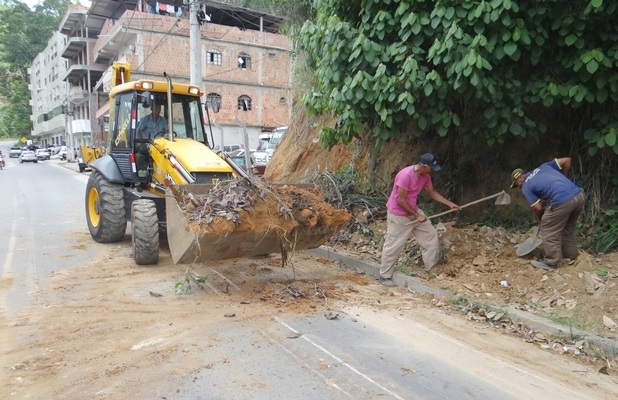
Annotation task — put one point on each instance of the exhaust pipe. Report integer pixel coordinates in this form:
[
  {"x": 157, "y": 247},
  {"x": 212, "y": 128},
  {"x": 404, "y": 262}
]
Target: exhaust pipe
[{"x": 170, "y": 120}]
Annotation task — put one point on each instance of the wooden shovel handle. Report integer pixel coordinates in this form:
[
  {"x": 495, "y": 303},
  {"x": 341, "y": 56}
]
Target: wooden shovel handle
[{"x": 466, "y": 205}]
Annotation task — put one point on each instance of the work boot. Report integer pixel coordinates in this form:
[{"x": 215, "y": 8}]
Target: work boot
[
  {"x": 387, "y": 282},
  {"x": 542, "y": 265}
]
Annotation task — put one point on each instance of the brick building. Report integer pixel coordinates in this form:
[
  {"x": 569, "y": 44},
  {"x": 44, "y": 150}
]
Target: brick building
[{"x": 245, "y": 64}]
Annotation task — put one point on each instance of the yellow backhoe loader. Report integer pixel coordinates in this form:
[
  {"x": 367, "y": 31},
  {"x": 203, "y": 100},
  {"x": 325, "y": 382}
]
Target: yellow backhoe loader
[
  {"x": 88, "y": 155},
  {"x": 150, "y": 168}
]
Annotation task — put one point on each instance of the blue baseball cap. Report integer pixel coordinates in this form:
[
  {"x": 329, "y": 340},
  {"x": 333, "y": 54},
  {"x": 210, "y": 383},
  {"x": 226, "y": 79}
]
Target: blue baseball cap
[{"x": 430, "y": 159}]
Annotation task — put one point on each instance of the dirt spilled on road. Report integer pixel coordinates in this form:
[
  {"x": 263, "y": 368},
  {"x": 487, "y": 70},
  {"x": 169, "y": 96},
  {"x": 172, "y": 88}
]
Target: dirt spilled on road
[{"x": 112, "y": 329}]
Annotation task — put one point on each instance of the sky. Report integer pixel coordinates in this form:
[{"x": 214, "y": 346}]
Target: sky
[{"x": 32, "y": 3}]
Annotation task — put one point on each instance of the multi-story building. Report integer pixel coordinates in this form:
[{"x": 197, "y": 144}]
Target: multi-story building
[
  {"x": 49, "y": 92},
  {"x": 244, "y": 63},
  {"x": 61, "y": 81}
]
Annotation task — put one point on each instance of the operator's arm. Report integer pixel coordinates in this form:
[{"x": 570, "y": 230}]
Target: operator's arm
[
  {"x": 402, "y": 201},
  {"x": 537, "y": 209},
  {"x": 139, "y": 133},
  {"x": 565, "y": 165},
  {"x": 438, "y": 197}
]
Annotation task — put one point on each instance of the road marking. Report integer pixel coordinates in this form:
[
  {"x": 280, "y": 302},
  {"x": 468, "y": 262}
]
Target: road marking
[
  {"x": 8, "y": 261},
  {"x": 305, "y": 364},
  {"x": 227, "y": 280},
  {"x": 340, "y": 361}
]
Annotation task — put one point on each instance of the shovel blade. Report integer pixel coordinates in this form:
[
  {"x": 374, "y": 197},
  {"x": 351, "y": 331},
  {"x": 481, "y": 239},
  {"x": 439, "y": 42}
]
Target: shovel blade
[
  {"x": 530, "y": 244},
  {"x": 503, "y": 199}
]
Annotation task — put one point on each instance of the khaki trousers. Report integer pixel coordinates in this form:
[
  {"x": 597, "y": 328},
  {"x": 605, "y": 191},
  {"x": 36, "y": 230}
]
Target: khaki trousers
[
  {"x": 398, "y": 230},
  {"x": 558, "y": 230}
]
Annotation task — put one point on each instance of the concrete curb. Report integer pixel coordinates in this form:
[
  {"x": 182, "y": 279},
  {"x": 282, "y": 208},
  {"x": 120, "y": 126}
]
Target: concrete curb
[{"x": 608, "y": 346}]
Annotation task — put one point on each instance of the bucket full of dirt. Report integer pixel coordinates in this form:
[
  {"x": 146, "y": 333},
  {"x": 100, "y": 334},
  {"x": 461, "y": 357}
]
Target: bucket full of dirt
[{"x": 241, "y": 218}]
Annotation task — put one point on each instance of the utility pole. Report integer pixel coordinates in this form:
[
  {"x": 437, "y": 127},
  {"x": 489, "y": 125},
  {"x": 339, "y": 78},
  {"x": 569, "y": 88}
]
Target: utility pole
[
  {"x": 195, "y": 43},
  {"x": 69, "y": 129}
]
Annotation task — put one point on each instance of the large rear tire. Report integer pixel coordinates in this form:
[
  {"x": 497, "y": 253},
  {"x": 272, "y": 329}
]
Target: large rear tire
[
  {"x": 145, "y": 232},
  {"x": 105, "y": 213}
]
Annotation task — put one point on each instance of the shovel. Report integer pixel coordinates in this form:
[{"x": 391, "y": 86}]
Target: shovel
[
  {"x": 530, "y": 244},
  {"x": 502, "y": 199}
]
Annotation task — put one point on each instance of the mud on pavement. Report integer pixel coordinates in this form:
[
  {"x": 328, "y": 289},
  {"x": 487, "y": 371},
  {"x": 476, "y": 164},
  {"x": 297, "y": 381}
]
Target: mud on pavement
[{"x": 112, "y": 329}]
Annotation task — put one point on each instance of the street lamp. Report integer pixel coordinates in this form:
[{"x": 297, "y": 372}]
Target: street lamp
[{"x": 67, "y": 109}]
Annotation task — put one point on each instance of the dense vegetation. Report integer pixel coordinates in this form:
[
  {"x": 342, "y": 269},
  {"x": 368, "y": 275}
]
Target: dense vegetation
[
  {"x": 23, "y": 34},
  {"x": 494, "y": 84},
  {"x": 487, "y": 69}
]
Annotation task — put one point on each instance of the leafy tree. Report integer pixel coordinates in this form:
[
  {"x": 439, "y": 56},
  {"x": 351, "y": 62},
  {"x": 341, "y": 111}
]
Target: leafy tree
[
  {"x": 23, "y": 34},
  {"x": 296, "y": 12},
  {"x": 489, "y": 70}
]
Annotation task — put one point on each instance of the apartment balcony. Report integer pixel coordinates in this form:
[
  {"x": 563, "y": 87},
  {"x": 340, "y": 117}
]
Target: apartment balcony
[
  {"x": 78, "y": 95},
  {"x": 113, "y": 39},
  {"x": 77, "y": 72},
  {"x": 73, "y": 19},
  {"x": 75, "y": 46},
  {"x": 53, "y": 126}
]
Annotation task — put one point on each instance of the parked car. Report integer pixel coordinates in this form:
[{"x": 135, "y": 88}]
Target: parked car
[
  {"x": 28, "y": 156},
  {"x": 238, "y": 156},
  {"x": 14, "y": 152},
  {"x": 63, "y": 153},
  {"x": 42, "y": 154}
]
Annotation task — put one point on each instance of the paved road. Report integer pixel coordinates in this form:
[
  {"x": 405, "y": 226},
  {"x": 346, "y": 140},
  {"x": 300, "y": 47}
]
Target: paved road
[{"x": 42, "y": 212}]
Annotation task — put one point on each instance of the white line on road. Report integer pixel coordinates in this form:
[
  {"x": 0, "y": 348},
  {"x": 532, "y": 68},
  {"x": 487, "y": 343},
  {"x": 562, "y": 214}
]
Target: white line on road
[
  {"x": 8, "y": 261},
  {"x": 309, "y": 367},
  {"x": 227, "y": 280},
  {"x": 340, "y": 361}
]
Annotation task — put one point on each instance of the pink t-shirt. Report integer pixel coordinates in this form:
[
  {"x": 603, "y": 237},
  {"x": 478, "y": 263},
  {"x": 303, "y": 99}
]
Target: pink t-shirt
[{"x": 407, "y": 179}]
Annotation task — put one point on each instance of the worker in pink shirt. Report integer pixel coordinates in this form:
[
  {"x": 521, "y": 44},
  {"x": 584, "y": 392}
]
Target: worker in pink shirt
[{"x": 405, "y": 218}]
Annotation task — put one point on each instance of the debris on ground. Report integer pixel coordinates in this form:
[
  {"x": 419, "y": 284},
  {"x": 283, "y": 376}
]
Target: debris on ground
[{"x": 480, "y": 263}]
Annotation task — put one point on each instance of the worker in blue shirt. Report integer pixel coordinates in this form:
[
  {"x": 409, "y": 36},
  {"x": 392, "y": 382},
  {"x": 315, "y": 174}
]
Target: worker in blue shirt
[{"x": 557, "y": 202}]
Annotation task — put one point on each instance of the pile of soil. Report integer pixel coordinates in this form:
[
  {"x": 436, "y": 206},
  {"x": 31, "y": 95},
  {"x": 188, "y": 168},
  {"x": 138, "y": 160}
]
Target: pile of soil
[
  {"x": 479, "y": 263},
  {"x": 282, "y": 217}
]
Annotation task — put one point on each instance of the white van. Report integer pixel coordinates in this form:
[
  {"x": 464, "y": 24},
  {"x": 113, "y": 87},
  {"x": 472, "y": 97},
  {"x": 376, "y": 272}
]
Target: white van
[
  {"x": 268, "y": 145},
  {"x": 274, "y": 142},
  {"x": 261, "y": 152},
  {"x": 228, "y": 148}
]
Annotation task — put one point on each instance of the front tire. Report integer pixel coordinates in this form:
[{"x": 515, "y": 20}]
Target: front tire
[
  {"x": 105, "y": 211},
  {"x": 145, "y": 232}
]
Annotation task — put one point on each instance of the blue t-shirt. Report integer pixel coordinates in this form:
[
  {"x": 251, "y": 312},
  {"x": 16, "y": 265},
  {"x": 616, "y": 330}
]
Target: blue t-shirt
[{"x": 547, "y": 183}]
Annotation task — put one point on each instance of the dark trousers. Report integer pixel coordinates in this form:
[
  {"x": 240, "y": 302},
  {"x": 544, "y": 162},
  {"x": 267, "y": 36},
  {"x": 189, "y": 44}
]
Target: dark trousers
[{"x": 558, "y": 230}]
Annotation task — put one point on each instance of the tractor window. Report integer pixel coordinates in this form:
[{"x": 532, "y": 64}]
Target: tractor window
[
  {"x": 186, "y": 116},
  {"x": 121, "y": 123}
]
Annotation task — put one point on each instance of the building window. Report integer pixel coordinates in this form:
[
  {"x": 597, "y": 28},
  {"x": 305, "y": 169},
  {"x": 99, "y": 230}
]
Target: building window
[
  {"x": 244, "y": 103},
  {"x": 213, "y": 101},
  {"x": 283, "y": 101},
  {"x": 272, "y": 56},
  {"x": 213, "y": 57},
  {"x": 244, "y": 61}
]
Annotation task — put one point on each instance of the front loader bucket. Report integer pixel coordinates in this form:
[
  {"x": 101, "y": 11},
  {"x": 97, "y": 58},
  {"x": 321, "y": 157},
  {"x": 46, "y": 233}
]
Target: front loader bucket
[{"x": 201, "y": 227}]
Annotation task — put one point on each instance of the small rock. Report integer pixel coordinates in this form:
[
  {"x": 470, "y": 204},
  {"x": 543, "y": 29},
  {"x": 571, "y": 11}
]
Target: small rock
[
  {"x": 557, "y": 278},
  {"x": 480, "y": 260},
  {"x": 608, "y": 322}
]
